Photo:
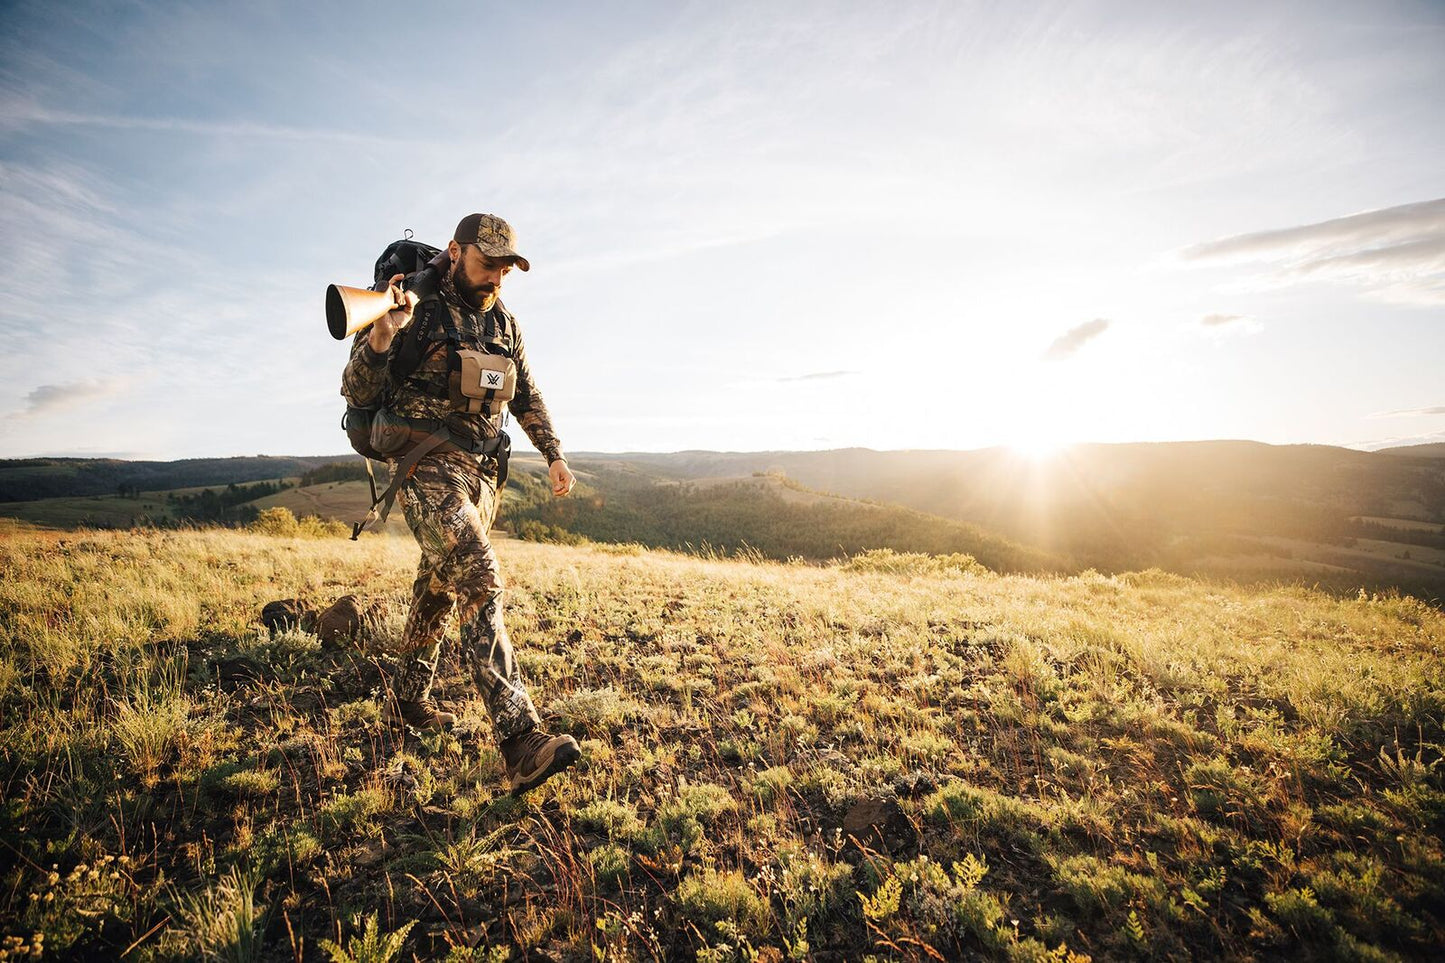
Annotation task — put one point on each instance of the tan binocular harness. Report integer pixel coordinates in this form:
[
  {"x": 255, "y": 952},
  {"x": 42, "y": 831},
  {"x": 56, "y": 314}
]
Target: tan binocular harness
[{"x": 483, "y": 383}]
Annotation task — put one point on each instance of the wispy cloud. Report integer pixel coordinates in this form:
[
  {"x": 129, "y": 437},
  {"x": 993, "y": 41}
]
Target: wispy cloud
[
  {"x": 1410, "y": 412},
  {"x": 53, "y": 399},
  {"x": 1220, "y": 320},
  {"x": 123, "y": 454},
  {"x": 21, "y": 113},
  {"x": 1068, "y": 344},
  {"x": 819, "y": 376},
  {"x": 1228, "y": 325},
  {"x": 1397, "y": 254}
]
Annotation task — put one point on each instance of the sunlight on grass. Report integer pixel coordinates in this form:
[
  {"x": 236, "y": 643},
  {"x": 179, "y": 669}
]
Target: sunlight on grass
[{"x": 1100, "y": 765}]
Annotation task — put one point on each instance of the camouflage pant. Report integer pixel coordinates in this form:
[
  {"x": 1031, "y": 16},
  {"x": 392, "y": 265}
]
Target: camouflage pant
[{"x": 450, "y": 506}]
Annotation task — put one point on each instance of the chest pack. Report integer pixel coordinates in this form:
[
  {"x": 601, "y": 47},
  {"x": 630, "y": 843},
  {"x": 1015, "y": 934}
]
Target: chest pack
[{"x": 481, "y": 375}]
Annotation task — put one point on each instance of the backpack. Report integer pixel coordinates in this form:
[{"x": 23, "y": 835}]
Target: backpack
[{"x": 408, "y": 257}]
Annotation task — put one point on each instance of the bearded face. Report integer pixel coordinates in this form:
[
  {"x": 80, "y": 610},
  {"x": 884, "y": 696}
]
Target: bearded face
[{"x": 478, "y": 277}]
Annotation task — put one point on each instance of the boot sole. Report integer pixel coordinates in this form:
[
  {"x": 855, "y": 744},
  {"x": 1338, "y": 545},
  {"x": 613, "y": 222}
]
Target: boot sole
[{"x": 565, "y": 755}]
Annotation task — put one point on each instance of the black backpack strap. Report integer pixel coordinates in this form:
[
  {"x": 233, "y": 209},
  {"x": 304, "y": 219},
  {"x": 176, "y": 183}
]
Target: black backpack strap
[{"x": 416, "y": 346}]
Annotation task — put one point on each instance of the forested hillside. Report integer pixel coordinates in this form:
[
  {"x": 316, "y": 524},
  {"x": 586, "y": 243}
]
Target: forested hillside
[
  {"x": 28, "y": 479},
  {"x": 766, "y": 514}
]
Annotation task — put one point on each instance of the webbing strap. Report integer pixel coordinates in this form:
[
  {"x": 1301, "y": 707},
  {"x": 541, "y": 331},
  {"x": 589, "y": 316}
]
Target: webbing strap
[
  {"x": 370, "y": 477},
  {"x": 381, "y": 507}
]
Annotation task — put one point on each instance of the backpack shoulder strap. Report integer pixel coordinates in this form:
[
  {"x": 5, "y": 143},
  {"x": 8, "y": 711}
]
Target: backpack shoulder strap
[{"x": 414, "y": 346}]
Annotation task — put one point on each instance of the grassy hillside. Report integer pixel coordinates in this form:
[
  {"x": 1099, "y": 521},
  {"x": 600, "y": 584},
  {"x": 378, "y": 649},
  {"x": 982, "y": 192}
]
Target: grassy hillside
[
  {"x": 90, "y": 511},
  {"x": 230, "y": 503},
  {"x": 1141, "y": 766}
]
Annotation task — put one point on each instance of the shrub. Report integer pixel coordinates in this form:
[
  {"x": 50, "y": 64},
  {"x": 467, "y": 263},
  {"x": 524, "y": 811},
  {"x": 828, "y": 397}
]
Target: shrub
[
  {"x": 276, "y": 521},
  {"x": 370, "y": 945},
  {"x": 711, "y": 897},
  {"x": 251, "y": 782},
  {"x": 681, "y": 818},
  {"x": 351, "y": 813},
  {"x": 610, "y": 864},
  {"x": 771, "y": 784},
  {"x": 598, "y": 711},
  {"x": 314, "y": 526},
  {"x": 281, "y": 523},
  {"x": 222, "y": 921},
  {"x": 617, "y": 819},
  {"x": 888, "y": 561}
]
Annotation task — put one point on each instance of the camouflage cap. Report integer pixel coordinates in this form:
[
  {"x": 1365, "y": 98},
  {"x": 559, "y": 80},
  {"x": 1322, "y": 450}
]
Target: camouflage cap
[{"x": 493, "y": 235}]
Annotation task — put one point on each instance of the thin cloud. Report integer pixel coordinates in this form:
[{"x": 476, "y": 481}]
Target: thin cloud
[
  {"x": 1396, "y": 254},
  {"x": 124, "y": 454},
  {"x": 1220, "y": 320},
  {"x": 819, "y": 376},
  {"x": 22, "y": 114},
  {"x": 1228, "y": 325},
  {"x": 1069, "y": 343},
  {"x": 1410, "y": 412},
  {"x": 52, "y": 399}
]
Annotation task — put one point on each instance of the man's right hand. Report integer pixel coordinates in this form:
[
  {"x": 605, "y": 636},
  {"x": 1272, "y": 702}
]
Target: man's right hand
[{"x": 386, "y": 326}]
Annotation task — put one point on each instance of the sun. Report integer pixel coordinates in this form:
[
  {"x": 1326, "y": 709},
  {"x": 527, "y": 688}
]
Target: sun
[
  {"x": 1039, "y": 448},
  {"x": 1043, "y": 417},
  {"x": 1039, "y": 437}
]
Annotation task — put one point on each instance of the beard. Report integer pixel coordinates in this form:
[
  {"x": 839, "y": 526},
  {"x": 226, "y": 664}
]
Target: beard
[{"x": 479, "y": 294}]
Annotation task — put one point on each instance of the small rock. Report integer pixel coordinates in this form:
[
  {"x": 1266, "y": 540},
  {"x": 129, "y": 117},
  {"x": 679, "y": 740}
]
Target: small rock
[
  {"x": 879, "y": 824},
  {"x": 284, "y": 614},
  {"x": 239, "y": 669},
  {"x": 914, "y": 784},
  {"x": 343, "y": 620}
]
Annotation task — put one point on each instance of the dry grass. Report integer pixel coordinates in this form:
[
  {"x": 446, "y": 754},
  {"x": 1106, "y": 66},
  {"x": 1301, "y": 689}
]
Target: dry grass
[{"x": 1141, "y": 765}]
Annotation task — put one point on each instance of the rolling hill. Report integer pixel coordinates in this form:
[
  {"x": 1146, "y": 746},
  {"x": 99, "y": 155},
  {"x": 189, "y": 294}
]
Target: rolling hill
[{"x": 1330, "y": 516}]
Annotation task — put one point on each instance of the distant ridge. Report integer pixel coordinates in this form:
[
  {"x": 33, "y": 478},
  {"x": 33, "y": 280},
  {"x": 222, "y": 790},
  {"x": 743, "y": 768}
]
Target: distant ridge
[
  {"x": 1432, "y": 450},
  {"x": 28, "y": 479},
  {"x": 1236, "y": 508}
]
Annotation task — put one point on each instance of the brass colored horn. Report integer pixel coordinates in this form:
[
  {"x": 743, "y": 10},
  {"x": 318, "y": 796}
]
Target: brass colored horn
[{"x": 348, "y": 310}]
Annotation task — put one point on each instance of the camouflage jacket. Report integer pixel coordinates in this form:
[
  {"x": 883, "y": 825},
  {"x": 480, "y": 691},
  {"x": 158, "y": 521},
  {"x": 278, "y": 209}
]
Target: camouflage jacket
[{"x": 369, "y": 377}]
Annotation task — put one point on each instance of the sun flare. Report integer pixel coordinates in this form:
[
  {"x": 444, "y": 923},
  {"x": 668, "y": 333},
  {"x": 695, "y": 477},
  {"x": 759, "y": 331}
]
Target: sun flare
[{"x": 1039, "y": 448}]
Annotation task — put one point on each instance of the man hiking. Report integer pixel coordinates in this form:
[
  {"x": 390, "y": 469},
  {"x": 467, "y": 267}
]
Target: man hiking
[{"x": 446, "y": 370}]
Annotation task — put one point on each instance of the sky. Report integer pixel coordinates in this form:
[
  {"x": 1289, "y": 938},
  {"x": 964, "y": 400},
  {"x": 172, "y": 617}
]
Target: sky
[{"x": 752, "y": 226}]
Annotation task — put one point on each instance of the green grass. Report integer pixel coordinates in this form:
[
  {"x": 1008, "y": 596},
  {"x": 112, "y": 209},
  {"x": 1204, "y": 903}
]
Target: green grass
[
  {"x": 98, "y": 511},
  {"x": 1138, "y": 766}
]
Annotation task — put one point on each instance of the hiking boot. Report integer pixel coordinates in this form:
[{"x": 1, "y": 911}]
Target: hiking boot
[
  {"x": 534, "y": 757},
  {"x": 423, "y": 715}
]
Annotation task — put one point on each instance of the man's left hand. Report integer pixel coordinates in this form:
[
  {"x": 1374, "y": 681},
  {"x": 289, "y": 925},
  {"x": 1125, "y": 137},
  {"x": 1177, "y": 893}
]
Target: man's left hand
[{"x": 562, "y": 480}]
